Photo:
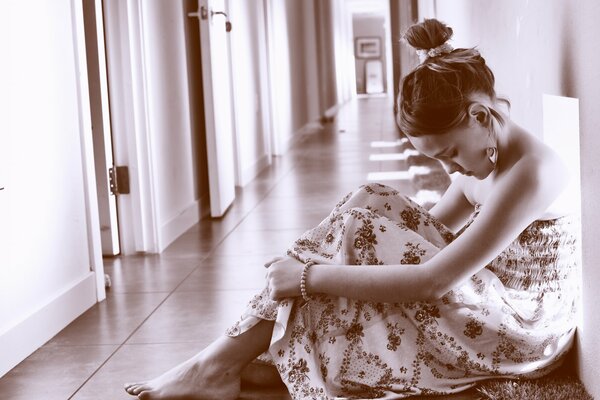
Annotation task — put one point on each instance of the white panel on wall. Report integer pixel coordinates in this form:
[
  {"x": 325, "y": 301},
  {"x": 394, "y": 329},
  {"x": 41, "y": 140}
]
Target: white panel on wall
[{"x": 561, "y": 132}]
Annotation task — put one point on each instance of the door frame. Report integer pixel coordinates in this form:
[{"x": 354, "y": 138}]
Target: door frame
[
  {"x": 87, "y": 150},
  {"x": 100, "y": 115}
]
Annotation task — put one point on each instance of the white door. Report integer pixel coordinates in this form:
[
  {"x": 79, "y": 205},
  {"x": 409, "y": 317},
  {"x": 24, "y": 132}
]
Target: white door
[
  {"x": 216, "y": 79},
  {"x": 101, "y": 132},
  {"x": 374, "y": 76}
]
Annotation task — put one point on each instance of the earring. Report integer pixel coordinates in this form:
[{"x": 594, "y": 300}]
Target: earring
[{"x": 492, "y": 153}]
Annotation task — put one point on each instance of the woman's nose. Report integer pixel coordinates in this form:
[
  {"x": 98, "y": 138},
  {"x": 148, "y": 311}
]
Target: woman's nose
[{"x": 451, "y": 167}]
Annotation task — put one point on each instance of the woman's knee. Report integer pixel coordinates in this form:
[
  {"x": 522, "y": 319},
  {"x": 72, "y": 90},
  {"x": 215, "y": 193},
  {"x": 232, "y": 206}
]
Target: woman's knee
[
  {"x": 360, "y": 212},
  {"x": 376, "y": 197},
  {"x": 382, "y": 195}
]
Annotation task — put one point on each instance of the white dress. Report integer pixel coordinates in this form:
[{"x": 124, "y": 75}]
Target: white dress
[{"x": 515, "y": 317}]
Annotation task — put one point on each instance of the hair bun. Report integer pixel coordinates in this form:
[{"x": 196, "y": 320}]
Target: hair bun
[{"x": 428, "y": 34}]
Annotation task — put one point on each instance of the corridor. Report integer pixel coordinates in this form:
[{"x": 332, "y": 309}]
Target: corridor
[
  {"x": 97, "y": 91},
  {"x": 161, "y": 309}
]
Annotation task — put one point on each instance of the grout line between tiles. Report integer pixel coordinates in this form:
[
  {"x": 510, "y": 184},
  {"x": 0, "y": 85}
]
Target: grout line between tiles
[
  {"x": 297, "y": 158},
  {"x": 205, "y": 256}
]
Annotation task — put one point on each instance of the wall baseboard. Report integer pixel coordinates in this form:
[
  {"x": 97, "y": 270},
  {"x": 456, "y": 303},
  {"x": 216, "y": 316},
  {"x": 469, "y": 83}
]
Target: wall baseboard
[
  {"x": 309, "y": 128},
  {"x": 204, "y": 206},
  {"x": 253, "y": 170},
  {"x": 32, "y": 332},
  {"x": 174, "y": 228},
  {"x": 331, "y": 112}
]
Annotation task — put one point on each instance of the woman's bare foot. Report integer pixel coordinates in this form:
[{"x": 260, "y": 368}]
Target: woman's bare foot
[
  {"x": 197, "y": 378},
  {"x": 214, "y": 373},
  {"x": 259, "y": 374}
]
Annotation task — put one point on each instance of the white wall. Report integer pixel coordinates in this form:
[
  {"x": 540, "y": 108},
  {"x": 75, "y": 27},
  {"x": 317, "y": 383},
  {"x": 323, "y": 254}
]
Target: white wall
[
  {"x": 524, "y": 63},
  {"x": 45, "y": 258},
  {"x": 252, "y": 143},
  {"x": 548, "y": 46},
  {"x": 169, "y": 130},
  {"x": 288, "y": 84},
  {"x": 343, "y": 51},
  {"x": 310, "y": 61},
  {"x": 291, "y": 66},
  {"x": 275, "y": 90}
]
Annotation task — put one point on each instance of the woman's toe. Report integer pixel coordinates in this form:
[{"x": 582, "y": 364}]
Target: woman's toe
[
  {"x": 139, "y": 389},
  {"x": 130, "y": 386},
  {"x": 145, "y": 395}
]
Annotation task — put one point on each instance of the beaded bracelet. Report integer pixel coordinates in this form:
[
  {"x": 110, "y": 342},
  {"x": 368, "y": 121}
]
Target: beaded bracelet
[{"x": 303, "y": 277}]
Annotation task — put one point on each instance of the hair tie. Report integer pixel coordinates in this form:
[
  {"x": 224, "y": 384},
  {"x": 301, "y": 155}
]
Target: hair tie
[{"x": 424, "y": 54}]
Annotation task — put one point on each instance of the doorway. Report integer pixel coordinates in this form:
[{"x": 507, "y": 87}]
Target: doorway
[
  {"x": 196, "y": 94},
  {"x": 371, "y": 31},
  {"x": 101, "y": 127}
]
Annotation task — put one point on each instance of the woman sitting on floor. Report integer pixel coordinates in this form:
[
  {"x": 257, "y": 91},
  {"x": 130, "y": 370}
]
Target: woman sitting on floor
[{"x": 384, "y": 299}]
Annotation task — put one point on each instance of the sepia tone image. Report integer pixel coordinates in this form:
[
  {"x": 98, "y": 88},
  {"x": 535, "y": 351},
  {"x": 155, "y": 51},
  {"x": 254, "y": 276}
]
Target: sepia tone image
[{"x": 299, "y": 199}]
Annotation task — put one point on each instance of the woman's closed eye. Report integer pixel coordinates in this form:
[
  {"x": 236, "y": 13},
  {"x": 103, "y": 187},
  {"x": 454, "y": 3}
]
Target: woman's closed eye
[
  {"x": 452, "y": 154},
  {"x": 447, "y": 157},
  {"x": 447, "y": 154}
]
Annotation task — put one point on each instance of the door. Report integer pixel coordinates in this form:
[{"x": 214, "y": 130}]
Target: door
[
  {"x": 216, "y": 76},
  {"x": 100, "y": 115}
]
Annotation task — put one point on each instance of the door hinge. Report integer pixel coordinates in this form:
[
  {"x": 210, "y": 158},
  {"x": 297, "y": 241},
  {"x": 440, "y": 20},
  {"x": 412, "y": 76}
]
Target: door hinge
[{"x": 118, "y": 178}]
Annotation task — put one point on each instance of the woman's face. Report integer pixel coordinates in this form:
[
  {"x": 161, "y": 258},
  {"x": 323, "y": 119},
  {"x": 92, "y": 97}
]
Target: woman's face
[{"x": 463, "y": 149}]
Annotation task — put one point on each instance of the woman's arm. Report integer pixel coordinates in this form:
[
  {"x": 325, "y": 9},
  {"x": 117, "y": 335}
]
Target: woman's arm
[
  {"x": 453, "y": 209},
  {"x": 520, "y": 196}
]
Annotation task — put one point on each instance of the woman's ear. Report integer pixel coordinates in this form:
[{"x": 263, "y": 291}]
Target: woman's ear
[{"x": 479, "y": 113}]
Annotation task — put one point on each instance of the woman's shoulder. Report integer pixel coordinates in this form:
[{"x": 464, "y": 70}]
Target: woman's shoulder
[
  {"x": 561, "y": 177},
  {"x": 527, "y": 156},
  {"x": 539, "y": 170}
]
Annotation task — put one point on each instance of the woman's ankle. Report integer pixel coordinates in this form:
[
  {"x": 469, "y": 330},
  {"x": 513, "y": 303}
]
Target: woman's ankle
[{"x": 218, "y": 365}]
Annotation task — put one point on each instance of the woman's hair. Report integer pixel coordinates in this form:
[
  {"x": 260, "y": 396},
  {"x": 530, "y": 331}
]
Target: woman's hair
[{"x": 436, "y": 95}]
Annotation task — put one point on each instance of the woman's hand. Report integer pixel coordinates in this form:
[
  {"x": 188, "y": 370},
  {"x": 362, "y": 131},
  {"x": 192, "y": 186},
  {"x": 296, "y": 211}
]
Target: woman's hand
[
  {"x": 283, "y": 278},
  {"x": 274, "y": 260}
]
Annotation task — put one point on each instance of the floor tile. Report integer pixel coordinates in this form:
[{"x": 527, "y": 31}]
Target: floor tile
[
  {"x": 148, "y": 274},
  {"x": 250, "y": 243},
  {"x": 228, "y": 273},
  {"x": 132, "y": 363},
  {"x": 53, "y": 372},
  {"x": 283, "y": 220},
  {"x": 110, "y": 322},
  {"x": 193, "y": 316}
]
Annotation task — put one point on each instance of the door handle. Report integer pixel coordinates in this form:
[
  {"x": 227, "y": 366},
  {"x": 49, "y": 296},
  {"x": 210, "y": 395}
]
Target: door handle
[
  {"x": 203, "y": 14},
  {"x": 227, "y": 22}
]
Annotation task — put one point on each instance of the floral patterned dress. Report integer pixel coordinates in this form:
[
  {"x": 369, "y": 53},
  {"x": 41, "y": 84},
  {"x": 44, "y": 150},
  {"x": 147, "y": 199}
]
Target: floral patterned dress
[{"x": 515, "y": 317}]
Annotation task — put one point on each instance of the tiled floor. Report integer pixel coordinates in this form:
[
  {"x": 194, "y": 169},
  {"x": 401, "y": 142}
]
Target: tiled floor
[{"x": 163, "y": 308}]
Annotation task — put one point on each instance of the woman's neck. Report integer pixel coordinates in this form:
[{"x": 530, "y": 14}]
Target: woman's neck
[{"x": 513, "y": 143}]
